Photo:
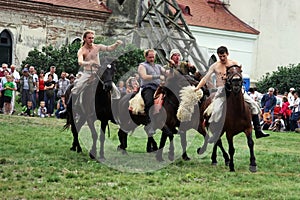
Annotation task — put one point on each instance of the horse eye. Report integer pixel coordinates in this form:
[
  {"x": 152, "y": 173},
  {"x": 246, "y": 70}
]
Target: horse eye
[{"x": 108, "y": 66}]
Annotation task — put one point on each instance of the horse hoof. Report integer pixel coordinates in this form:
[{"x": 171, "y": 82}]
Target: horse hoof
[
  {"x": 226, "y": 163},
  {"x": 123, "y": 151},
  {"x": 73, "y": 148},
  {"x": 92, "y": 155},
  {"x": 200, "y": 151},
  {"x": 171, "y": 157},
  {"x": 186, "y": 158},
  {"x": 252, "y": 168},
  {"x": 232, "y": 170},
  {"x": 79, "y": 150},
  {"x": 102, "y": 159}
]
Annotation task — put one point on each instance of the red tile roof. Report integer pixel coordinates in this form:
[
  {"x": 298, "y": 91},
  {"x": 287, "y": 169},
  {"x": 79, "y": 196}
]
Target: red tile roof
[
  {"x": 80, "y": 4},
  {"x": 214, "y": 16}
]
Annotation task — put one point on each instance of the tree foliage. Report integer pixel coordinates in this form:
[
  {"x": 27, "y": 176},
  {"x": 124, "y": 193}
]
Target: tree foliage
[{"x": 284, "y": 78}]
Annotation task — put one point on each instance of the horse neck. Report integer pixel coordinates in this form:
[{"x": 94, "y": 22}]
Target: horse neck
[{"x": 235, "y": 102}]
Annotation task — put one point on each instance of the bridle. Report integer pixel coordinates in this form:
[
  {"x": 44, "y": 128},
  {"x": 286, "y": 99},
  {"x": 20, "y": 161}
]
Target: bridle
[{"x": 234, "y": 79}]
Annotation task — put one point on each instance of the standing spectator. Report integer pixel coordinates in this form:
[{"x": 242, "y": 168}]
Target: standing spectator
[
  {"x": 291, "y": 96},
  {"x": 16, "y": 80},
  {"x": 49, "y": 97},
  {"x": 286, "y": 112},
  {"x": 295, "y": 112},
  {"x": 8, "y": 87},
  {"x": 42, "y": 111},
  {"x": 71, "y": 78},
  {"x": 2, "y": 70},
  {"x": 26, "y": 87},
  {"x": 121, "y": 87},
  {"x": 35, "y": 79},
  {"x": 61, "y": 108},
  {"x": 55, "y": 78},
  {"x": 268, "y": 102},
  {"x": 41, "y": 93},
  {"x": 3, "y": 81},
  {"x": 63, "y": 84}
]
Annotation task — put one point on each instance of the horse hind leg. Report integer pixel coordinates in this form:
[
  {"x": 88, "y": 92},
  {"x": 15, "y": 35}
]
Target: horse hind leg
[
  {"x": 76, "y": 145},
  {"x": 123, "y": 141},
  {"x": 183, "y": 145},
  {"x": 162, "y": 144}
]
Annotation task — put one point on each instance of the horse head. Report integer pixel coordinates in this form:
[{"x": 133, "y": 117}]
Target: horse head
[
  {"x": 106, "y": 73},
  {"x": 234, "y": 80}
]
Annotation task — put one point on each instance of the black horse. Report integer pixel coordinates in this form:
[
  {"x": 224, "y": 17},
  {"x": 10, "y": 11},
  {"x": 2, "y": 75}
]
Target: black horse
[
  {"x": 238, "y": 116},
  {"x": 97, "y": 105}
]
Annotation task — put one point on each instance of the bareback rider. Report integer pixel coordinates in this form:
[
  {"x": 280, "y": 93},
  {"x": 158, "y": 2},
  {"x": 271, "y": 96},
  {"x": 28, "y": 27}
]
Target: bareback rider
[
  {"x": 88, "y": 59},
  {"x": 219, "y": 69},
  {"x": 151, "y": 76}
]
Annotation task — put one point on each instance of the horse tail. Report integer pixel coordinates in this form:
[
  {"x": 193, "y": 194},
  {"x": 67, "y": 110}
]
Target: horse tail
[{"x": 69, "y": 116}]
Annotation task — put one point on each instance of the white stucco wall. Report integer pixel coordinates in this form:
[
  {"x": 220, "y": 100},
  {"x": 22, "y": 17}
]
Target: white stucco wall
[
  {"x": 240, "y": 45},
  {"x": 278, "y": 23}
]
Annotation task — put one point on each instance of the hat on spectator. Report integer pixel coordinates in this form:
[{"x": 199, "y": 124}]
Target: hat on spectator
[
  {"x": 71, "y": 76},
  {"x": 292, "y": 89},
  {"x": 175, "y": 51},
  {"x": 25, "y": 70}
]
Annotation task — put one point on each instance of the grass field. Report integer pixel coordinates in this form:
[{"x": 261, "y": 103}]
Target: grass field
[{"x": 36, "y": 163}]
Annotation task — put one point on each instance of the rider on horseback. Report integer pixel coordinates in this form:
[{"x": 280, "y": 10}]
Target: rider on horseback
[
  {"x": 185, "y": 68},
  {"x": 151, "y": 75},
  {"x": 219, "y": 69},
  {"x": 88, "y": 58}
]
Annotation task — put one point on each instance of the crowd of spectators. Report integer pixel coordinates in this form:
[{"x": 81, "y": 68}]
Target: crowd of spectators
[
  {"x": 41, "y": 94},
  {"x": 279, "y": 112}
]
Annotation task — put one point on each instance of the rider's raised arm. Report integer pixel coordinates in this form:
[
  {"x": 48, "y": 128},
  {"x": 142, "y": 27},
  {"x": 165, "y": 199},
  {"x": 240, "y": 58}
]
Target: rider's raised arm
[
  {"x": 112, "y": 47},
  {"x": 206, "y": 77}
]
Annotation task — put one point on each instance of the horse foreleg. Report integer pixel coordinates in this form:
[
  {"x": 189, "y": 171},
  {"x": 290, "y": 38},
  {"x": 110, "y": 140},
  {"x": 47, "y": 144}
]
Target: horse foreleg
[
  {"x": 183, "y": 144},
  {"x": 102, "y": 139},
  {"x": 250, "y": 142},
  {"x": 93, "y": 151},
  {"x": 231, "y": 152}
]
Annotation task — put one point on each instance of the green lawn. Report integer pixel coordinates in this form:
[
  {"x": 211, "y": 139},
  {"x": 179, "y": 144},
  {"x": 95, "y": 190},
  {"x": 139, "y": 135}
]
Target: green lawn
[{"x": 36, "y": 163}]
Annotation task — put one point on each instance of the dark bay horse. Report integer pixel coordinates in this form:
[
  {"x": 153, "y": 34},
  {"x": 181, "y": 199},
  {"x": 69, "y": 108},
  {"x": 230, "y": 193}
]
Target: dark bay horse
[
  {"x": 95, "y": 104},
  {"x": 238, "y": 116},
  {"x": 171, "y": 91}
]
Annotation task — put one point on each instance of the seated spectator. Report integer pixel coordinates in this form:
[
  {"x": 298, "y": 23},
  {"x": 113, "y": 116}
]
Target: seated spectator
[
  {"x": 42, "y": 111},
  {"x": 28, "y": 110},
  {"x": 61, "y": 108},
  {"x": 132, "y": 85},
  {"x": 278, "y": 125}
]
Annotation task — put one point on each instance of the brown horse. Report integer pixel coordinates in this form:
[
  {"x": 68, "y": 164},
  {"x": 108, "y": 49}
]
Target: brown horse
[{"x": 237, "y": 118}]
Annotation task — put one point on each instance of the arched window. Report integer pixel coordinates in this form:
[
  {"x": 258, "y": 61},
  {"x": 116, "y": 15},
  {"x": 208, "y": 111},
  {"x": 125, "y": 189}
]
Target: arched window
[
  {"x": 76, "y": 40},
  {"x": 5, "y": 47}
]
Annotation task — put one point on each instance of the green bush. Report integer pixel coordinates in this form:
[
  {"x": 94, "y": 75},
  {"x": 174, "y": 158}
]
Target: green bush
[{"x": 283, "y": 79}]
